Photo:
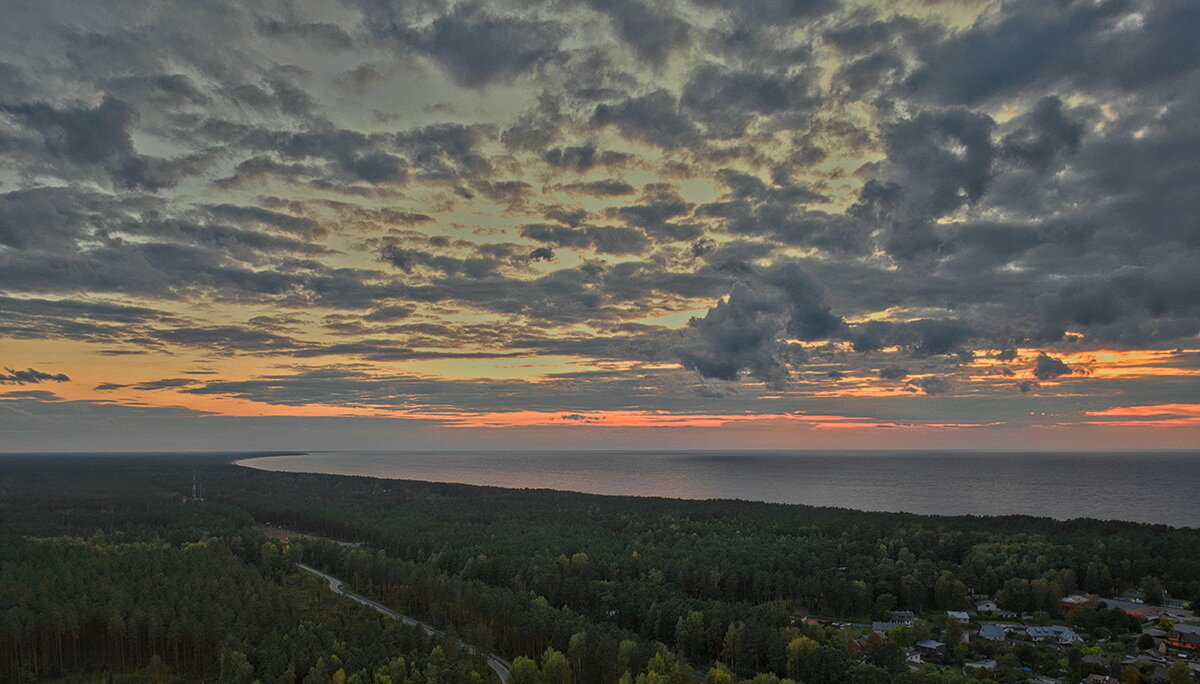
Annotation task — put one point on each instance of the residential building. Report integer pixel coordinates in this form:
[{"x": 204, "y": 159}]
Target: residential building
[
  {"x": 985, "y": 664},
  {"x": 931, "y": 647},
  {"x": 986, "y": 606},
  {"x": 1055, "y": 633},
  {"x": 883, "y": 628},
  {"x": 1184, "y": 636},
  {"x": 993, "y": 632}
]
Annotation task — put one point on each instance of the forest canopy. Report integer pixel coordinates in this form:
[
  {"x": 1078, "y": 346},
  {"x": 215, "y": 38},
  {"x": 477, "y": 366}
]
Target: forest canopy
[{"x": 111, "y": 565}]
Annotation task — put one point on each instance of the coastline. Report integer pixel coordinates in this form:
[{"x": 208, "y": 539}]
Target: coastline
[{"x": 916, "y": 483}]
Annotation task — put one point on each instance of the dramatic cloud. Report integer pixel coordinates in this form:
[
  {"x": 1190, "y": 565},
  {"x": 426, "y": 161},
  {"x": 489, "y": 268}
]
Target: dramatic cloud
[
  {"x": 29, "y": 376},
  {"x": 477, "y": 48},
  {"x": 1048, "y": 368},
  {"x": 745, "y": 332},
  {"x": 937, "y": 214}
]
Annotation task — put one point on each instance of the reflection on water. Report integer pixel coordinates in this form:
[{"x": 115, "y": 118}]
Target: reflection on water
[{"x": 1143, "y": 487}]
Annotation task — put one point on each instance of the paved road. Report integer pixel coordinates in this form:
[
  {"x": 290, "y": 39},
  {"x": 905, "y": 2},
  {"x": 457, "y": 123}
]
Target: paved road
[{"x": 501, "y": 666}]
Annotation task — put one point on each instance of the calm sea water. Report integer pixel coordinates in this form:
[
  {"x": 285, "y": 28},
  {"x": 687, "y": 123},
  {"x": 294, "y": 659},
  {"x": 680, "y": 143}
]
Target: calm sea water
[{"x": 1157, "y": 487}]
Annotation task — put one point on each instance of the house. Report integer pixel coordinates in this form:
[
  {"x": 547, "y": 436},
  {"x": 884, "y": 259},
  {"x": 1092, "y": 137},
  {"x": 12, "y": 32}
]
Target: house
[
  {"x": 1099, "y": 679},
  {"x": 958, "y": 616},
  {"x": 883, "y": 628},
  {"x": 931, "y": 647},
  {"x": 985, "y": 664},
  {"x": 1042, "y": 679},
  {"x": 1184, "y": 636},
  {"x": 986, "y": 606},
  {"x": 993, "y": 632},
  {"x": 903, "y": 617},
  {"x": 1055, "y": 633}
]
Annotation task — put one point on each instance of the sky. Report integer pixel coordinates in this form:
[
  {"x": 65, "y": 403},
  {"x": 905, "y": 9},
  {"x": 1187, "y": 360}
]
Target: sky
[{"x": 599, "y": 224}]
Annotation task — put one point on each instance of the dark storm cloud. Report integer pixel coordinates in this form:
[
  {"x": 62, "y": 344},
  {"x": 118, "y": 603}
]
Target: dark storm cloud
[
  {"x": 726, "y": 101},
  {"x": 31, "y": 318},
  {"x": 446, "y": 150},
  {"x": 779, "y": 211},
  {"x": 650, "y": 29},
  {"x": 610, "y": 187},
  {"x": 57, "y": 218},
  {"x": 13, "y": 308},
  {"x": 937, "y": 161},
  {"x": 442, "y": 151},
  {"x": 1043, "y": 136},
  {"x": 511, "y": 193},
  {"x": 657, "y": 213},
  {"x": 1131, "y": 305},
  {"x": 932, "y": 384},
  {"x": 653, "y": 118},
  {"x": 1029, "y": 45},
  {"x": 603, "y": 239},
  {"x": 409, "y": 260},
  {"x": 921, "y": 337},
  {"x": 1049, "y": 368},
  {"x": 262, "y": 167},
  {"x": 770, "y": 12},
  {"x": 163, "y": 90},
  {"x": 584, "y": 157},
  {"x": 266, "y": 217},
  {"x": 30, "y": 376},
  {"x": 350, "y": 155},
  {"x": 477, "y": 48},
  {"x": 537, "y": 128},
  {"x": 744, "y": 331},
  {"x": 98, "y": 137}
]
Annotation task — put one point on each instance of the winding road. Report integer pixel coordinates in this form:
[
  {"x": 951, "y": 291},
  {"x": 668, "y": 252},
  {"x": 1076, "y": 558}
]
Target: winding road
[{"x": 500, "y": 665}]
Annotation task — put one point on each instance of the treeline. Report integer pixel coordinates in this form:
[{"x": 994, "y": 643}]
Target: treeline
[
  {"x": 619, "y": 588},
  {"x": 574, "y": 650},
  {"x": 833, "y": 561},
  {"x": 197, "y": 612}
]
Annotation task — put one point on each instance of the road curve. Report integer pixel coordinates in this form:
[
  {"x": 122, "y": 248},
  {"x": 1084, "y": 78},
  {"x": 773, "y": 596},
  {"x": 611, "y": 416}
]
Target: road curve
[{"x": 501, "y": 666}]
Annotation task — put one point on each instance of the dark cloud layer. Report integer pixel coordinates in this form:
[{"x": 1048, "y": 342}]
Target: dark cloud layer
[{"x": 835, "y": 197}]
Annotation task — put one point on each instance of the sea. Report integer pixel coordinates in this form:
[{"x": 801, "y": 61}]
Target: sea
[{"x": 1145, "y": 486}]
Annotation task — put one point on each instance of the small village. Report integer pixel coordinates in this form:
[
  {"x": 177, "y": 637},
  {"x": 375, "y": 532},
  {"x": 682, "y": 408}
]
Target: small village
[{"x": 1092, "y": 640}]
